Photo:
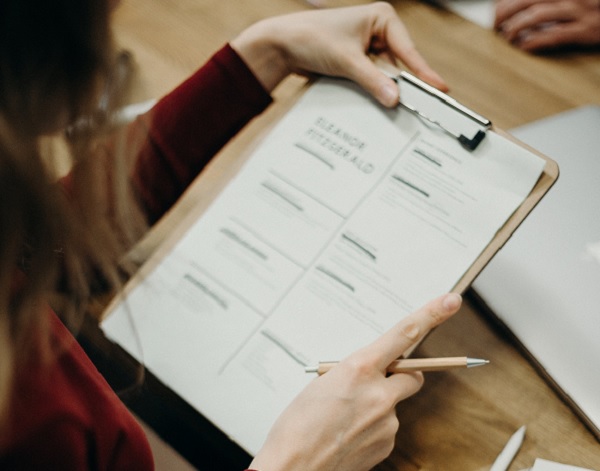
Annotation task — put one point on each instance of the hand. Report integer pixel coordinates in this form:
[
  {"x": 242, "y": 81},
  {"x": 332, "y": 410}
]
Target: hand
[
  {"x": 542, "y": 24},
  {"x": 346, "y": 419},
  {"x": 335, "y": 42}
]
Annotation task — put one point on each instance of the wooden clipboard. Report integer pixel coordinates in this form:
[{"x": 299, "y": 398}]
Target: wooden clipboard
[
  {"x": 548, "y": 177},
  {"x": 231, "y": 159},
  {"x": 210, "y": 184}
]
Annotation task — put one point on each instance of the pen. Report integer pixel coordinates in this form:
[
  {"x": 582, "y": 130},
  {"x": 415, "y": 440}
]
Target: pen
[
  {"x": 412, "y": 364},
  {"x": 510, "y": 450}
]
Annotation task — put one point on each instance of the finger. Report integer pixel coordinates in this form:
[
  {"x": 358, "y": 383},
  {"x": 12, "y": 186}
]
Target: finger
[
  {"x": 389, "y": 58},
  {"x": 365, "y": 73},
  {"x": 402, "y": 47},
  {"x": 419, "y": 66},
  {"x": 411, "y": 329},
  {"x": 404, "y": 385},
  {"x": 506, "y": 9},
  {"x": 538, "y": 18},
  {"x": 558, "y": 35},
  {"x": 390, "y": 34},
  {"x": 384, "y": 89}
]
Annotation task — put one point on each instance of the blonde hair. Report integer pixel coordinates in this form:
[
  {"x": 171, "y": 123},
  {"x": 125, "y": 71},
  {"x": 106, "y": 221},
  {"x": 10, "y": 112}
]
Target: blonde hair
[{"x": 57, "y": 59}]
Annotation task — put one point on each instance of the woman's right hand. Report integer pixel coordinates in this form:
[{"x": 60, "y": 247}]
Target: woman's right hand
[
  {"x": 544, "y": 24},
  {"x": 346, "y": 419}
]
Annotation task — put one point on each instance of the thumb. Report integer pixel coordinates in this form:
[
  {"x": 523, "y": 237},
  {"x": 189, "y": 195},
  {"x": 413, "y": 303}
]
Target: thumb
[{"x": 376, "y": 82}]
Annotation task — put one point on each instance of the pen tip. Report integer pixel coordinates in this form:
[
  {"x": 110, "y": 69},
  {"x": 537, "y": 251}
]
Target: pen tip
[{"x": 471, "y": 362}]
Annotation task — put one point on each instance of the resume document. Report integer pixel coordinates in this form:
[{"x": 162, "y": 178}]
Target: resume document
[{"x": 346, "y": 218}]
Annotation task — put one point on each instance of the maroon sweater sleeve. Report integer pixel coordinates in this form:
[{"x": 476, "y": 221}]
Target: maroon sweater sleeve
[
  {"x": 191, "y": 124},
  {"x": 64, "y": 416}
]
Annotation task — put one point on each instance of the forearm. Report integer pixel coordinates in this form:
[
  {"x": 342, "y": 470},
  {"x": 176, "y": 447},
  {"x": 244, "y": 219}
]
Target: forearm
[
  {"x": 259, "y": 49},
  {"x": 190, "y": 125}
]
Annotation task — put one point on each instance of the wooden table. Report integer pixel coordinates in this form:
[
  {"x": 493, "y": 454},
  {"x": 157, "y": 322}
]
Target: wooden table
[{"x": 460, "y": 420}]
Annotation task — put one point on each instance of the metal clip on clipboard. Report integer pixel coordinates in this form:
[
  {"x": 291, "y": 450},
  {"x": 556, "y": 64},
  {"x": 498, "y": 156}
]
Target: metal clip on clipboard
[{"x": 437, "y": 108}]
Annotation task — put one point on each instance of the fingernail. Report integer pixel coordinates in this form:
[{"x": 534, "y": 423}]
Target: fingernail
[
  {"x": 389, "y": 94},
  {"x": 452, "y": 301}
]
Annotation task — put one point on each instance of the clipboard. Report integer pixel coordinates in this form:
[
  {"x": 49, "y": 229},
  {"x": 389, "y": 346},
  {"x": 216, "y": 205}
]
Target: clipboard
[
  {"x": 548, "y": 177},
  {"x": 443, "y": 113},
  {"x": 469, "y": 128}
]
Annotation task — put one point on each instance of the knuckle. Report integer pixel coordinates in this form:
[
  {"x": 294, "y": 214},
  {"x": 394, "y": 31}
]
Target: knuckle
[
  {"x": 381, "y": 398},
  {"x": 420, "y": 380},
  {"x": 359, "y": 366},
  {"x": 392, "y": 424},
  {"x": 383, "y": 10},
  {"x": 415, "y": 385},
  {"x": 410, "y": 331},
  {"x": 436, "y": 316},
  {"x": 384, "y": 7}
]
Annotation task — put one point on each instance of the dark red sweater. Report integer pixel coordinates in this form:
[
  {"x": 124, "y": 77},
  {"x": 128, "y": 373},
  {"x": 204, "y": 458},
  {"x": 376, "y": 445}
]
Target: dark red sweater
[{"x": 66, "y": 417}]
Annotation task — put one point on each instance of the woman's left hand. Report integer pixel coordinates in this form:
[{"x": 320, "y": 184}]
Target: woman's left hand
[
  {"x": 335, "y": 42},
  {"x": 346, "y": 419}
]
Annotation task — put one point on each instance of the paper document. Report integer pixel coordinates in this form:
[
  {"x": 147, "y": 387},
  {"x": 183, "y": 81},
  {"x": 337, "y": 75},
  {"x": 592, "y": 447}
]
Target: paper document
[
  {"x": 481, "y": 12},
  {"x": 545, "y": 465},
  {"x": 345, "y": 219}
]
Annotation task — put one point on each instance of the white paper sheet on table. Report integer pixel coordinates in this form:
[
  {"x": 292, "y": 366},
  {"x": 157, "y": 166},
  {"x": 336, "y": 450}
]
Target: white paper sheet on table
[
  {"x": 481, "y": 12},
  {"x": 544, "y": 284},
  {"x": 545, "y": 465}
]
